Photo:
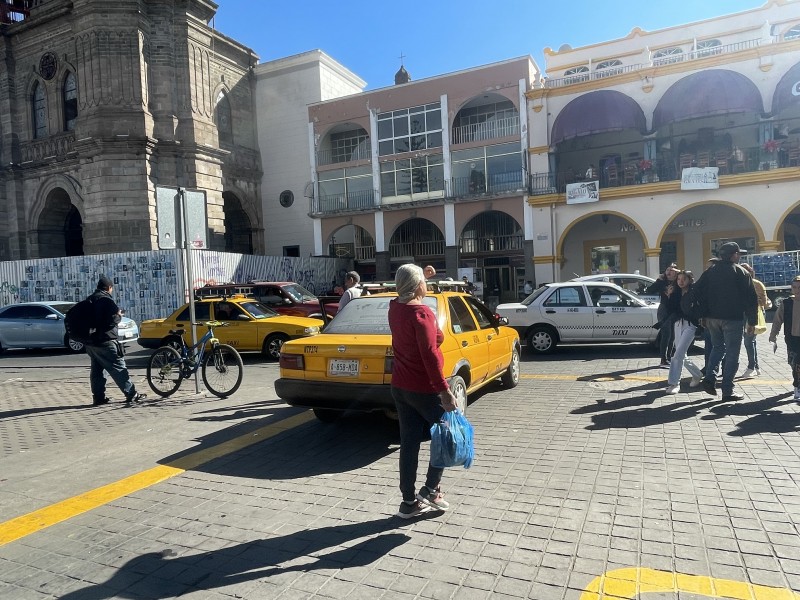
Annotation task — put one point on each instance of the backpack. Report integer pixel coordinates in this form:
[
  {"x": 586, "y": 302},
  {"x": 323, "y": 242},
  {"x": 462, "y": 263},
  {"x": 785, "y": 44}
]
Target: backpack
[{"x": 80, "y": 321}]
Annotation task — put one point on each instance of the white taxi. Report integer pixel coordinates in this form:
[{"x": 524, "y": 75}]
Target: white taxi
[{"x": 577, "y": 312}]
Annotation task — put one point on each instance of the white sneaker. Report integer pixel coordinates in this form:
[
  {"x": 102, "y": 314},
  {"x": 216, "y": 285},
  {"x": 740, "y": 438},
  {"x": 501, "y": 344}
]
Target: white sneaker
[
  {"x": 695, "y": 382},
  {"x": 748, "y": 373},
  {"x": 797, "y": 393},
  {"x": 672, "y": 390}
]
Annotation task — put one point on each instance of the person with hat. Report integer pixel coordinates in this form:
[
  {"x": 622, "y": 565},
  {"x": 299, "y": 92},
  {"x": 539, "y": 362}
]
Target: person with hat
[
  {"x": 728, "y": 299},
  {"x": 104, "y": 349}
]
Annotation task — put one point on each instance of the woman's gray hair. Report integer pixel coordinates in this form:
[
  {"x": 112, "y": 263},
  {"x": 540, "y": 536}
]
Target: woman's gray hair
[{"x": 407, "y": 279}]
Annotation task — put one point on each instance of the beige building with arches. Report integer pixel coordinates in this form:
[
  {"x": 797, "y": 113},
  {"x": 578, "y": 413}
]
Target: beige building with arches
[{"x": 641, "y": 116}]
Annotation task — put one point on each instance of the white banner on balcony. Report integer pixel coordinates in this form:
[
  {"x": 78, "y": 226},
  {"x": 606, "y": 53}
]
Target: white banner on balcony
[
  {"x": 584, "y": 191},
  {"x": 700, "y": 178}
]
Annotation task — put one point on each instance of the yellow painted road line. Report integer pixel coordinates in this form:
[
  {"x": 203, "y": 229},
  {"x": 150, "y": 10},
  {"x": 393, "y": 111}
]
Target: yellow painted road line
[
  {"x": 37, "y": 520},
  {"x": 630, "y": 583}
]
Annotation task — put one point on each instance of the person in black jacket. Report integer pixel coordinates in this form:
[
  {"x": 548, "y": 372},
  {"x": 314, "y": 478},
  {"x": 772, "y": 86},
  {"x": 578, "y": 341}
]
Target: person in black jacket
[
  {"x": 727, "y": 298},
  {"x": 104, "y": 350},
  {"x": 664, "y": 286},
  {"x": 685, "y": 327}
]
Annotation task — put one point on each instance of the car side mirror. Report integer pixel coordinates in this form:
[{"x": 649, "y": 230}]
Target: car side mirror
[
  {"x": 287, "y": 301},
  {"x": 500, "y": 320},
  {"x": 52, "y": 317},
  {"x": 241, "y": 317}
]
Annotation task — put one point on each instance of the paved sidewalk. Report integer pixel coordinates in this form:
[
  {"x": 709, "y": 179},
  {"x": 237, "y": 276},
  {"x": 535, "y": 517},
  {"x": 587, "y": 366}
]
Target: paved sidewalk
[{"x": 588, "y": 483}]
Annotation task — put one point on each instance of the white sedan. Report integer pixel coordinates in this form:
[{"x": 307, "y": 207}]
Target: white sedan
[
  {"x": 41, "y": 325},
  {"x": 580, "y": 312}
]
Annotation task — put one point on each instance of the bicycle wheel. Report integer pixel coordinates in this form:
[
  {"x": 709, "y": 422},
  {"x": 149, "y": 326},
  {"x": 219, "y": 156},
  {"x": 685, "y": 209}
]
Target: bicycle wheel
[
  {"x": 164, "y": 371},
  {"x": 223, "y": 370}
]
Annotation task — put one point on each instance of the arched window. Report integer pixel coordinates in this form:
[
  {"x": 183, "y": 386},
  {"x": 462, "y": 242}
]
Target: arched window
[
  {"x": 576, "y": 74},
  {"x": 667, "y": 56},
  {"x": 223, "y": 119},
  {"x": 708, "y": 47},
  {"x": 793, "y": 33},
  {"x": 70, "y": 99},
  {"x": 39, "y": 111},
  {"x": 608, "y": 68}
]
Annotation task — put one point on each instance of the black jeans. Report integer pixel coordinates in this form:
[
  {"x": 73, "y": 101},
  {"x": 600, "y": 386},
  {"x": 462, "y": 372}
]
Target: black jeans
[{"x": 417, "y": 413}]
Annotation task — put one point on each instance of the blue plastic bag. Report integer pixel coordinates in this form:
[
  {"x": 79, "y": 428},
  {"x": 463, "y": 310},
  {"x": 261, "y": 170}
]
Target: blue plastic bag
[{"x": 452, "y": 441}]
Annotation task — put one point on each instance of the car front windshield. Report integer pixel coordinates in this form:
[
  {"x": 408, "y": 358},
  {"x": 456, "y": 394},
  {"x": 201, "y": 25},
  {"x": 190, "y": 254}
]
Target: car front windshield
[
  {"x": 298, "y": 293},
  {"x": 367, "y": 315},
  {"x": 258, "y": 310}
]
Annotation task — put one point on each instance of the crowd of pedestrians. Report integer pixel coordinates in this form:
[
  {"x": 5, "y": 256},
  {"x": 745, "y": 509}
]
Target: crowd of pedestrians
[{"x": 728, "y": 303}]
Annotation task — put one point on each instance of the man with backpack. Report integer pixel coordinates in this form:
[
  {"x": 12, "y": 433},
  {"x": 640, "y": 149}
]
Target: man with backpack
[{"x": 104, "y": 351}]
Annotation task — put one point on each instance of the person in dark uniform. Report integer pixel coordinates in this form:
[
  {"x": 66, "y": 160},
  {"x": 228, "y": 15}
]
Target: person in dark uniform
[{"x": 788, "y": 315}]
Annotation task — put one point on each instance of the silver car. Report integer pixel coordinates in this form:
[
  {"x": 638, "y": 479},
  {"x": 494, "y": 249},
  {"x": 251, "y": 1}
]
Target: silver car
[
  {"x": 580, "y": 312},
  {"x": 41, "y": 325}
]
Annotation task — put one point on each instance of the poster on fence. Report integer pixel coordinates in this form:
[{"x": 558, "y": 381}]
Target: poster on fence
[{"x": 584, "y": 191}]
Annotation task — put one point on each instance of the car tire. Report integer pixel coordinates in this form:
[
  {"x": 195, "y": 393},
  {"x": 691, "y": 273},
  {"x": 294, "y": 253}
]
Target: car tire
[
  {"x": 327, "y": 415},
  {"x": 74, "y": 346},
  {"x": 510, "y": 378},
  {"x": 273, "y": 344},
  {"x": 542, "y": 340},
  {"x": 459, "y": 389}
]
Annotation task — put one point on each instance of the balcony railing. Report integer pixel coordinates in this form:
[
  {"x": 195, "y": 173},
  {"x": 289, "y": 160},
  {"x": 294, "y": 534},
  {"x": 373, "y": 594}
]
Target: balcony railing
[
  {"x": 330, "y": 157},
  {"x": 492, "y": 243},
  {"x": 487, "y": 130},
  {"x": 417, "y": 249},
  {"x": 54, "y": 146},
  {"x": 340, "y": 202},
  {"x": 656, "y": 62},
  {"x": 738, "y": 161},
  {"x": 498, "y": 183}
]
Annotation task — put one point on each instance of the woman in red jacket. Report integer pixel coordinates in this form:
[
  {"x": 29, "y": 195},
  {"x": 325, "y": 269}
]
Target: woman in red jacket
[{"x": 419, "y": 388}]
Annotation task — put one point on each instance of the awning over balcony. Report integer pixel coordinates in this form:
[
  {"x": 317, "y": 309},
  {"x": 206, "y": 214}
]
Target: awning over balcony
[
  {"x": 787, "y": 92},
  {"x": 713, "y": 92},
  {"x": 598, "y": 112}
]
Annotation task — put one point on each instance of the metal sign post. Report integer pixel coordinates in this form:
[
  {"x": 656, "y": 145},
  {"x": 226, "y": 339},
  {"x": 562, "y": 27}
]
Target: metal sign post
[{"x": 187, "y": 252}]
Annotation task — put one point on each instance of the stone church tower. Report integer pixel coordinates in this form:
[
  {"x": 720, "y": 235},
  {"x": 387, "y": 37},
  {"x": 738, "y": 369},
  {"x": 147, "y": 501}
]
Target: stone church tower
[{"x": 103, "y": 100}]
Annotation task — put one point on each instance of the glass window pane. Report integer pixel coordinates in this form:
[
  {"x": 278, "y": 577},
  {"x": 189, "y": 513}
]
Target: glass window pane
[
  {"x": 359, "y": 184},
  {"x": 502, "y": 149},
  {"x": 328, "y": 175},
  {"x": 359, "y": 171},
  {"x": 385, "y": 148},
  {"x": 387, "y": 184},
  {"x": 471, "y": 154},
  {"x": 419, "y": 179},
  {"x": 401, "y": 145},
  {"x": 435, "y": 159},
  {"x": 331, "y": 188},
  {"x": 418, "y": 142},
  {"x": 435, "y": 140},
  {"x": 404, "y": 182},
  {"x": 436, "y": 178},
  {"x": 400, "y": 126},
  {"x": 387, "y": 166},
  {"x": 434, "y": 120},
  {"x": 384, "y": 129},
  {"x": 417, "y": 123}
]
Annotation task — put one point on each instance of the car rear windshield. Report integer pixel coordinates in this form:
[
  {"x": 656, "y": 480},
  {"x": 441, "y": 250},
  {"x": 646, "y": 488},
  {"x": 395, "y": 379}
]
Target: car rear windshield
[
  {"x": 367, "y": 315},
  {"x": 536, "y": 293}
]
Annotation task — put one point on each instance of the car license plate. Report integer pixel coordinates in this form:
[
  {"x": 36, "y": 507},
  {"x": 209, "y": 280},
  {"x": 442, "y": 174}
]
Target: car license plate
[{"x": 342, "y": 368}]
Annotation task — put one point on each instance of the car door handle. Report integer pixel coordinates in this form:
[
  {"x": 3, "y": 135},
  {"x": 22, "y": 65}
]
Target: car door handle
[
  {"x": 464, "y": 344},
  {"x": 489, "y": 337},
  {"x": 550, "y": 311},
  {"x": 600, "y": 311}
]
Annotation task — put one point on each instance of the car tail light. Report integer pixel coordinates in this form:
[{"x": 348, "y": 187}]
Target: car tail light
[
  {"x": 291, "y": 361},
  {"x": 388, "y": 364}
]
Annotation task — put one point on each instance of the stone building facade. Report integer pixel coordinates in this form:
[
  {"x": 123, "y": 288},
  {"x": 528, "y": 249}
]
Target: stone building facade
[{"x": 101, "y": 101}]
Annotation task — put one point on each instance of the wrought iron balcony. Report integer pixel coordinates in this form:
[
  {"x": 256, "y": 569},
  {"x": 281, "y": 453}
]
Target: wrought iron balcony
[
  {"x": 498, "y": 183},
  {"x": 358, "y": 200},
  {"x": 417, "y": 249},
  {"x": 488, "y": 130}
]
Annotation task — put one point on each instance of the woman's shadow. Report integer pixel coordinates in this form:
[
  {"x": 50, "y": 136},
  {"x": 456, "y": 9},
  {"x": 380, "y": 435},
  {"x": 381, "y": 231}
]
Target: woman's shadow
[{"x": 159, "y": 575}]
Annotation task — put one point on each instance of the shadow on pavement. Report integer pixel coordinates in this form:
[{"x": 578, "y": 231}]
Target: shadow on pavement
[
  {"x": 763, "y": 416},
  {"x": 158, "y": 575},
  {"x": 658, "y": 415}
]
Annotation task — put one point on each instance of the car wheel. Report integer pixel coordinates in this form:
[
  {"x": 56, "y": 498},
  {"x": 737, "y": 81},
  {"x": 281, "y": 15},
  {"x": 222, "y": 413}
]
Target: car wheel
[
  {"x": 459, "y": 389},
  {"x": 273, "y": 344},
  {"x": 510, "y": 378},
  {"x": 542, "y": 340},
  {"x": 327, "y": 415},
  {"x": 74, "y": 346}
]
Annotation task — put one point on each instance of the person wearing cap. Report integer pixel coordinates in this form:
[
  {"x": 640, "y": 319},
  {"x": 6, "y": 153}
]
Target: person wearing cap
[
  {"x": 729, "y": 302},
  {"x": 351, "y": 289},
  {"x": 104, "y": 349}
]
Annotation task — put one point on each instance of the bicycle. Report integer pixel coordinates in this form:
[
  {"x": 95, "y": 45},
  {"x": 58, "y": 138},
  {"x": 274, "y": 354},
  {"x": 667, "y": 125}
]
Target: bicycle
[{"x": 222, "y": 366}]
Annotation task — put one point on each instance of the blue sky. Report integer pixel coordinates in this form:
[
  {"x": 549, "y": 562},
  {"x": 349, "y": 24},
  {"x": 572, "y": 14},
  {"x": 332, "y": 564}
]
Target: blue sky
[{"x": 441, "y": 36}]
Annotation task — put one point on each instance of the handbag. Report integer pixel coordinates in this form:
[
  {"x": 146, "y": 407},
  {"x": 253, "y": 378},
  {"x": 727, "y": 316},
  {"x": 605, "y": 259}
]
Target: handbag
[
  {"x": 452, "y": 442},
  {"x": 761, "y": 323}
]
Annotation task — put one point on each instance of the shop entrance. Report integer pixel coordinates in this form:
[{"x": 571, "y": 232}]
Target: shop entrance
[{"x": 497, "y": 286}]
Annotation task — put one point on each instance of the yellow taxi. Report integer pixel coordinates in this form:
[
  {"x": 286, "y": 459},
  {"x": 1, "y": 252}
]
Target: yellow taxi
[
  {"x": 349, "y": 365},
  {"x": 249, "y": 325}
]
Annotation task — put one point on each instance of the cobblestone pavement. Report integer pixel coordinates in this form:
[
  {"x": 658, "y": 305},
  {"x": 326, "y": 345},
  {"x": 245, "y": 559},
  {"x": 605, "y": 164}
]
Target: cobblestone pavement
[{"x": 588, "y": 484}]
